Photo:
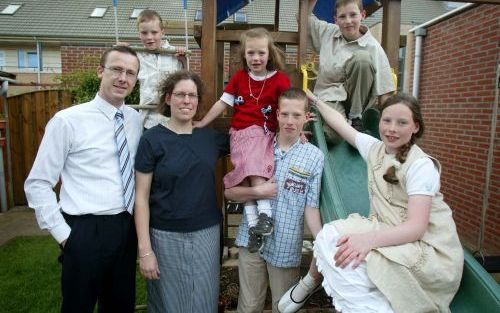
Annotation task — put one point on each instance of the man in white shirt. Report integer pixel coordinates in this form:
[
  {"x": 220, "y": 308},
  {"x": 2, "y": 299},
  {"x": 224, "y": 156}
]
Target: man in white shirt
[{"x": 92, "y": 221}]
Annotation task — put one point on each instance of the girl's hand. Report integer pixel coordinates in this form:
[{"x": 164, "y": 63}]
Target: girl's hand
[
  {"x": 149, "y": 267},
  {"x": 310, "y": 117},
  {"x": 353, "y": 247}
]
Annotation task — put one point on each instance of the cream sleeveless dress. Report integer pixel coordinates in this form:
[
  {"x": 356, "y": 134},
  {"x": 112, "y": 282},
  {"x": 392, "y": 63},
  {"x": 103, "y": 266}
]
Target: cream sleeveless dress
[{"x": 422, "y": 276}]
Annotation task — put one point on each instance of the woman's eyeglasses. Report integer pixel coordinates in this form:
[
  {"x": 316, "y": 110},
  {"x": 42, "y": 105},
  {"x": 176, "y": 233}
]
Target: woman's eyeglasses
[{"x": 182, "y": 96}]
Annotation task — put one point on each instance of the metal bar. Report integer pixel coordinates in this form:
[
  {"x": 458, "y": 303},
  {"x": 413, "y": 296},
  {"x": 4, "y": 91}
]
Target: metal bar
[
  {"x": 142, "y": 106},
  {"x": 170, "y": 50}
]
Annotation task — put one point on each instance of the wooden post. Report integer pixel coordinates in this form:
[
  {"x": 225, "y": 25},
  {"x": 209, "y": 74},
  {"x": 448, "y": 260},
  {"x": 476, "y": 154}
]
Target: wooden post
[
  {"x": 391, "y": 22},
  {"x": 220, "y": 69},
  {"x": 208, "y": 56},
  {"x": 277, "y": 15},
  {"x": 302, "y": 46}
]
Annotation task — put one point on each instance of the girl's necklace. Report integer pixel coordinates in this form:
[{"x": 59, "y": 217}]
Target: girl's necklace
[{"x": 261, "y": 88}]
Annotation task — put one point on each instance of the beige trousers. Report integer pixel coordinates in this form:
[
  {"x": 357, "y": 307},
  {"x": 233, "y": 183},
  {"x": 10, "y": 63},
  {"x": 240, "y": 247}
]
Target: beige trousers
[
  {"x": 254, "y": 274},
  {"x": 359, "y": 86}
]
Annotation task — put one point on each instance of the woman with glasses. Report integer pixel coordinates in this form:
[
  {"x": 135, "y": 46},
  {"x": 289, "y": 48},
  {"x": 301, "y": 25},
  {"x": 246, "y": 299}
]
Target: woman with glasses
[{"x": 176, "y": 214}]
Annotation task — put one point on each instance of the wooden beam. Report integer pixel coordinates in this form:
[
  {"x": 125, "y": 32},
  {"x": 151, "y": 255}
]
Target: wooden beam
[
  {"x": 302, "y": 33},
  {"x": 477, "y": 1},
  {"x": 391, "y": 22},
  {"x": 208, "y": 56},
  {"x": 220, "y": 68},
  {"x": 277, "y": 15},
  {"x": 279, "y": 37}
]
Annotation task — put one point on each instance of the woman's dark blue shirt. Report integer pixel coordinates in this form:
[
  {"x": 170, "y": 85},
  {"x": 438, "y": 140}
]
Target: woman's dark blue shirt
[{"x": 182, "y": 196}]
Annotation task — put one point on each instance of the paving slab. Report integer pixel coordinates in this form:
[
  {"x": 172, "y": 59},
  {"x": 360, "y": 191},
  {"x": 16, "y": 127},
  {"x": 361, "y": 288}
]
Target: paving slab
[{"x": 18, "y": 221}]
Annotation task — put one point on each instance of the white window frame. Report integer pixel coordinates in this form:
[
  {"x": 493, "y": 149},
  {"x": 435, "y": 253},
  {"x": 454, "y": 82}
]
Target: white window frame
[
  {"x": 240, "y": 17},
  {"x": 2, "y": 59},
  {"x": 198, "y": 15},
  {"x": 135, "y": 12},
  {"x": 99, "y": 12},
  {"x": 11, "y": 9}
]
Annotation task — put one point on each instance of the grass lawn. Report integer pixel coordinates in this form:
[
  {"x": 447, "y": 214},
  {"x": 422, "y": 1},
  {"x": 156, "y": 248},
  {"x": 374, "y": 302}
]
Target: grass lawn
[{"x": 30, "y": 276}]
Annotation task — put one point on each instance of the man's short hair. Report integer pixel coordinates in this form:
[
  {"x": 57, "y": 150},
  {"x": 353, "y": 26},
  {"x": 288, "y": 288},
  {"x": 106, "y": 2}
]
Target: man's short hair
[
  {"x": 122, "y": 49},
  {"x": 295, "y": 94}
]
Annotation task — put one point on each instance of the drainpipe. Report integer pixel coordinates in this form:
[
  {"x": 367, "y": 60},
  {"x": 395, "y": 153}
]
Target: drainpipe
[
  {"x": 489, "y": 165},
  {"x": 420, "y": 33},
  {"x": 40, "y": 65}
]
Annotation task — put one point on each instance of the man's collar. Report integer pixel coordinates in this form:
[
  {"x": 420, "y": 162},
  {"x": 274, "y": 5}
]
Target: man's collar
[
  {"x": 362, "y": 41},
  {"x": 105, "y": 107},
  {"x": 276, "y": 143}
]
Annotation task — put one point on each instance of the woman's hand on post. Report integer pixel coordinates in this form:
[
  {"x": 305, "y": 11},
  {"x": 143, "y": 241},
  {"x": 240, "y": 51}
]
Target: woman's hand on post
[
  {"x": 353, "y": 248},
  {"x": 149, "y": 266}
]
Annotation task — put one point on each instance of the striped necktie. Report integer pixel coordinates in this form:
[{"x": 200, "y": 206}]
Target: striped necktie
[{"x": 125, "y": 163}]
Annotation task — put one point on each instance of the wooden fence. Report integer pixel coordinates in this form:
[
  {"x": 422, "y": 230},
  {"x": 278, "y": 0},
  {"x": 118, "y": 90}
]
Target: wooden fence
[{"x": 28, "y": 115}]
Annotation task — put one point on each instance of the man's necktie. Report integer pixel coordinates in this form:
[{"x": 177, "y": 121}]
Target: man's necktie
[{"x": 125, "y": 163}]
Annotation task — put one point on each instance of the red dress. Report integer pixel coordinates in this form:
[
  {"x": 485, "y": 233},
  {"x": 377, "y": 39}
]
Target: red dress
[{"x": 252, "y": 152}]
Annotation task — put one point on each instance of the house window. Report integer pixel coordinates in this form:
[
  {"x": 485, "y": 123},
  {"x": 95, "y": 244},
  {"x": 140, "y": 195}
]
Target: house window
[
  {"x": 20, "y": 58},
  {"x": 198, "y": 15},
  {"x": 98, "y": 12},
  {"x": 11, "y": 9},
  {"x": 240, "y": 17},
  {"x": 32, "y": 59},
  {"x": 27, "y": 59},
  {"x": 135, "y": 13}
]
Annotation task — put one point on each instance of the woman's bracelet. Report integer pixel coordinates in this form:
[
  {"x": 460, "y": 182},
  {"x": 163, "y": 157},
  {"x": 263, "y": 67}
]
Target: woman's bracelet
[{"x": 145, "y": 255}]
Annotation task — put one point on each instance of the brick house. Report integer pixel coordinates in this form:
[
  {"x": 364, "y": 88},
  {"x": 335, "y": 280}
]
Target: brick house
[
  {"x": 40, "y": 40},
  {"x": 458, "y": 90}
]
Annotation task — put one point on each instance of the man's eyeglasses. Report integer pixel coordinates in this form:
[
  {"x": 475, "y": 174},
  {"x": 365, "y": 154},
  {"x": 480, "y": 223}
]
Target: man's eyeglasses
[
  {"x": 182, "y": 96},
  {"x": 118, "y": 71}
]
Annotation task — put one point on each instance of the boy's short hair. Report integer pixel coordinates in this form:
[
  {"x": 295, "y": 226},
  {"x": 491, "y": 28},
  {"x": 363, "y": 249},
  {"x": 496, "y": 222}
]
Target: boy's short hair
[
  {"x": 341, "y": 3},
  {"x": 295, "y": 94},
  {"x": 149, "y": 15}
]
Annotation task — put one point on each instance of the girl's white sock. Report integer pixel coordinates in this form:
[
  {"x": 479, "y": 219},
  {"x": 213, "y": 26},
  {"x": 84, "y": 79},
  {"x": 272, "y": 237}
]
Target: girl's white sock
[
  {"x": 264, "y": 206},
  {"x": 251, "y": 214}
]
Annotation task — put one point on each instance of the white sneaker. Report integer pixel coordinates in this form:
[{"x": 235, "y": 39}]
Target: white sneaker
[{"x": 289, "y": 304}]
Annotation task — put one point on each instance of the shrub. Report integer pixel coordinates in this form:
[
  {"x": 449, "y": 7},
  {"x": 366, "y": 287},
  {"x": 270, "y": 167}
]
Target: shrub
[{"x": 84, "y": 85}]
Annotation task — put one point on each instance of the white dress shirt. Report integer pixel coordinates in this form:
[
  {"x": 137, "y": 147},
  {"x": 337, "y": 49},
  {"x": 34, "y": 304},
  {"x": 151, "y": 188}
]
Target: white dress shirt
[
  {"x": 79, "y": 147},
  {"x": 153, "y": 69}
]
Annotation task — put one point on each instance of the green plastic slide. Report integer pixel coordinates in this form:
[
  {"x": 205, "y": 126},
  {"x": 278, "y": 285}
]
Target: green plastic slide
[{"x": 344, "y": 191}]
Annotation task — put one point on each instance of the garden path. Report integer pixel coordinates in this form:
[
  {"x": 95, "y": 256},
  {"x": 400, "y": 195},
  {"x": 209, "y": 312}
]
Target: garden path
[{"x": 18, "y": 221}]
